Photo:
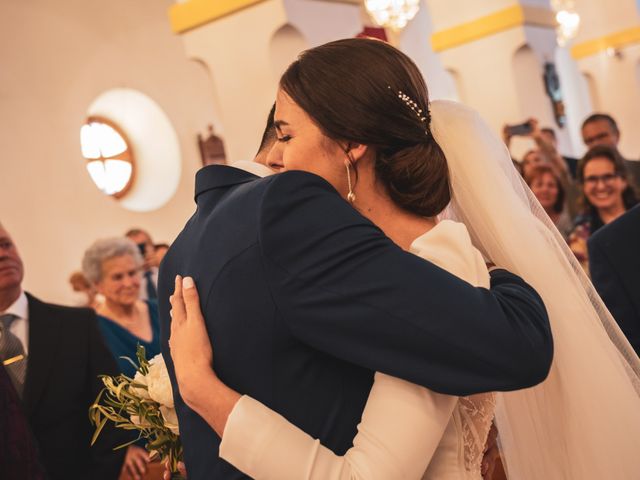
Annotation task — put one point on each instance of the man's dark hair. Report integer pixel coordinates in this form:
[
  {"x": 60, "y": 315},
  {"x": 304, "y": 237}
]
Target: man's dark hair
[
  {"x": 599, "y": 117},
  {"x": 136, "y": 231},
  {"x": 269, "y": 134}
]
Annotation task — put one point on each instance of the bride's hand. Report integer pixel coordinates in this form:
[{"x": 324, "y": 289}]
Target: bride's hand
[
  {"x": 189, "y": 343},
  {"x": 192, "y": 356}
]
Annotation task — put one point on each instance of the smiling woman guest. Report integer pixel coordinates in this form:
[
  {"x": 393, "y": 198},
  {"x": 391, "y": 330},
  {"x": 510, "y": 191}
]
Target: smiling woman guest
[
  {"x": 546, "y": 185},
  {"x": 606, "y": 195},
  {"x": 114, "y": 266}
]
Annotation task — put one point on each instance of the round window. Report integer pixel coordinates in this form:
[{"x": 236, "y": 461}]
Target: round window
[{"x": 109, "y": 157}]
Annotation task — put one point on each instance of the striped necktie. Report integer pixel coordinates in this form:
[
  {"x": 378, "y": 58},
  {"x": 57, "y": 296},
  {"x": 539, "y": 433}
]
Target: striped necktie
[{"x": 12, "y": 353}]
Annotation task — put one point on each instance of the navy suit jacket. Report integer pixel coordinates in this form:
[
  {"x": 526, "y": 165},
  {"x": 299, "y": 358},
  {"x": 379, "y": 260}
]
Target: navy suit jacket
[
  {"x": 304, "y": 299},
  {"x": 614, "y": 262}
]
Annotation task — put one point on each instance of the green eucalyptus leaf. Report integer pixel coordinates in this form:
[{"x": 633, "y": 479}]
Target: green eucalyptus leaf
[{"x": 98, "y": 430}]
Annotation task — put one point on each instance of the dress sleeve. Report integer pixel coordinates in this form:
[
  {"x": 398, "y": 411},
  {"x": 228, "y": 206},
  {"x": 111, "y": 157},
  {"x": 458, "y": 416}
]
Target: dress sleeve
[
  {"x": 401, "y": 427},
  {"x": 344, "y": 288}
]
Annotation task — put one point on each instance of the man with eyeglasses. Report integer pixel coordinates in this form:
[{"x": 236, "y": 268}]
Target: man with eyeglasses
[{"x": 602, "y": 129}]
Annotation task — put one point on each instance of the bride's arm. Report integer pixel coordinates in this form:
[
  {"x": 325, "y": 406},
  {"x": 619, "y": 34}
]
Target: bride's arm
[
  {"x": 401, "y": 425},
  {"x": 400, "y": 429}
]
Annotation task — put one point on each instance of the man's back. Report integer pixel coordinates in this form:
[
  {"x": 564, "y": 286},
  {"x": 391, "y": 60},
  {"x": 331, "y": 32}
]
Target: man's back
[
  {"x": 614, "y": 261},
  {"x": 255, "y": 353}
]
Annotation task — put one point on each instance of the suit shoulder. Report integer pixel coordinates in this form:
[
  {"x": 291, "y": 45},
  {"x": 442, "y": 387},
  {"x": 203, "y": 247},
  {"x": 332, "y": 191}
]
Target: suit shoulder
[
  {"x": 624, "y": 229},
  {"x": 302, "y": 199},
  {"x": 301, "y": 211},
  {"x": 74, "y": 312},
  {"x": 295, "y": 182},
  {"x": 64, "y": 311}
]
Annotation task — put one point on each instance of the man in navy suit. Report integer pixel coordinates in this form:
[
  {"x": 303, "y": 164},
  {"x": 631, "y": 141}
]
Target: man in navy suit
[
  {"x": 304, "y": 305},
  {"x": 614, "y": 262}
]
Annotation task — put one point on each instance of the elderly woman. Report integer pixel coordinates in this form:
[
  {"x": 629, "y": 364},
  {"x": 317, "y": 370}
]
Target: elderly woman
[{"x": 113, "y": 266}]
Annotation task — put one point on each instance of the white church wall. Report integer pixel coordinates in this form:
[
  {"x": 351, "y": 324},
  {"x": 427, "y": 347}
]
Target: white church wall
[{"x": 57, "y": 57}]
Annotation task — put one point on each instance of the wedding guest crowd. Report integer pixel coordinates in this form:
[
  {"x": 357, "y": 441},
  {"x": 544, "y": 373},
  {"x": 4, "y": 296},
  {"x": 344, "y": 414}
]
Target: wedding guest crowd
[{"x": 579, "y": 195}]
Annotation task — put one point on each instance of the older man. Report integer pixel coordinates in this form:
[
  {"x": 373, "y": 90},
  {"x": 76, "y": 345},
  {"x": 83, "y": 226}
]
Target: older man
[{"x": 53, "y": 356}]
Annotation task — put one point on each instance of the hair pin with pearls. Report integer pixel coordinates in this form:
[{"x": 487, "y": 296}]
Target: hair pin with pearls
[{"x": 413, "y": 106}]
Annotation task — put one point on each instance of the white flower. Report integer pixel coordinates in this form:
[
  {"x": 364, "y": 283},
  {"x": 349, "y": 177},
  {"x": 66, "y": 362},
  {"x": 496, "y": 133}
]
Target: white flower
[
  {"x": 140, "y": 392},
  {"x": 158, "y": 382},
  {"x": 170, "y": 419},
  {"x": 136, "y": 420}
]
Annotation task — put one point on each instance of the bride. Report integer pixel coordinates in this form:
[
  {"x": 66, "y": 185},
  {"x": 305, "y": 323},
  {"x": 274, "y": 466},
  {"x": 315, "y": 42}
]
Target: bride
[{"x": 583, "y": 422}]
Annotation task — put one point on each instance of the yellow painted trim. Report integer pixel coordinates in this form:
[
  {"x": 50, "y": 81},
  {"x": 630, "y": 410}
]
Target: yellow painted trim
[
  {"x": 491, "y": 24},
  {"x": 194, "y": 13},
  {"x": 614, "y": 40}
]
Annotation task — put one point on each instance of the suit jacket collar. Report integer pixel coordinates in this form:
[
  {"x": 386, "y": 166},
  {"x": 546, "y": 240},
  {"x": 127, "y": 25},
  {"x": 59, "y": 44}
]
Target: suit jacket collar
[
  {"x": 44, "y": 329},
  {"x": 219, "y": 176}
]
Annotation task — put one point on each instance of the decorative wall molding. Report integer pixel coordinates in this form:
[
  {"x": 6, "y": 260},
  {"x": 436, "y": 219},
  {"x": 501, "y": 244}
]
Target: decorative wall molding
[
  {"x": 510, "y": 17},
  {"x": 194, "y": 13},
  {"x": 615, "y": 40}
]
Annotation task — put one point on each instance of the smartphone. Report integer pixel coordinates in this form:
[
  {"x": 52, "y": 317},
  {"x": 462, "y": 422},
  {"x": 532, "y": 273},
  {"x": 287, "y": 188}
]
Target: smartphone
[
  {"x": 143, "y": 248},
  {"x": 521, "y": 129}
]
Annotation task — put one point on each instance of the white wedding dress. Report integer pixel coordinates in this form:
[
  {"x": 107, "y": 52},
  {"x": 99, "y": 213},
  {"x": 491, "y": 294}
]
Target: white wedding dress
[{"x": 406, "y": 431}]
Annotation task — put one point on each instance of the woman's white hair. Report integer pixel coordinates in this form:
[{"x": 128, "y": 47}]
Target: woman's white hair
[{"x": 105, "y": 249}]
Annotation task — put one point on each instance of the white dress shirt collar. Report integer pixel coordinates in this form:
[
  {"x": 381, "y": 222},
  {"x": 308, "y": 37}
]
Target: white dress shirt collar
[{"x": 19, "y": 308}]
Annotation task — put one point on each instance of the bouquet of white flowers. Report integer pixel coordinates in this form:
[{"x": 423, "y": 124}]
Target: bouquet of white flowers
[{"x": 143, "y": 403}]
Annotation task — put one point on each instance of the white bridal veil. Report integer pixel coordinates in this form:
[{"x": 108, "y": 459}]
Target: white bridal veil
[{"x": 583, "y": 422}]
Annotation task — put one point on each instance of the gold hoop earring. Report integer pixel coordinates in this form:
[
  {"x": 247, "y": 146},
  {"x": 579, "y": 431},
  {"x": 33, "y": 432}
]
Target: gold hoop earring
[{"x": 351, "y": 197}]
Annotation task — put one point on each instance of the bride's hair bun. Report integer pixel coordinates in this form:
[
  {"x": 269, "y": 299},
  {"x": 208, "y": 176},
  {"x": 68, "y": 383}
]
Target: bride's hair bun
[{"x": 417, "y": 178}]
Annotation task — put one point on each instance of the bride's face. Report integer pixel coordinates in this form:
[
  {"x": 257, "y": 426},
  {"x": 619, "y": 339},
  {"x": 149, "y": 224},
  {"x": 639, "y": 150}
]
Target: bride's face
[{"x": 301, "y": 145}]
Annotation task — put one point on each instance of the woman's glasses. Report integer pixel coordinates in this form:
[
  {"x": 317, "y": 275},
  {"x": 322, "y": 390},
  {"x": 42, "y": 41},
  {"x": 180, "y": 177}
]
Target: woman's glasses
[{"x": 606, "y": 179}]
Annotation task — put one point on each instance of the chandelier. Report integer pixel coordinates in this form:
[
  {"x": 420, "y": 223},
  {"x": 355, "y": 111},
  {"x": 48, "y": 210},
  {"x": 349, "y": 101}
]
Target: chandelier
[
  {"x": 568, "y": 20},
  {"x": 393, "y": 14}
]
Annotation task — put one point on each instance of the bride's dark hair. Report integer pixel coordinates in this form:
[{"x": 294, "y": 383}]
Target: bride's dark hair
[{"x": 351, "y": 89}]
